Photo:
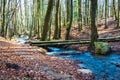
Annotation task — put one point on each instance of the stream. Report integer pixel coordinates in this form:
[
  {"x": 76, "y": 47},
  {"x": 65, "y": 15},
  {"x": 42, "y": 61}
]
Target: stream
[
  {"x": 22, "y": 39},
  {"x": 103, "y": 67}
]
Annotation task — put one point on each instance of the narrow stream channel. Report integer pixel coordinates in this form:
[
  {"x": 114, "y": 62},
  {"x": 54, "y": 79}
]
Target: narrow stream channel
[{"x": 104, "y": 67}]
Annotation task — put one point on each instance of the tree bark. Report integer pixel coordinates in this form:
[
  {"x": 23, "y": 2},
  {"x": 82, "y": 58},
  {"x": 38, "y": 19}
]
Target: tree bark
[
  {"x": 38, "y": 18},
  {"x": 47, "y": 20},
  {"x": 59, "y": 30},
  {"x": 106, "y": 4},
  {"x": 79, "y": 15},
  {"x": 3, "y": 19},
  {"x": 114, "y": 10},
  {"x": 118, "y": 13},
  {"x": 94, "y": 33},
  {"x": 56, "y": 33},
  {"x": 71, "y": 19}
]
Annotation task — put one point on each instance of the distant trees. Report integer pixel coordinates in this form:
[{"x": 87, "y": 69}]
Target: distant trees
[{"x": 35, "y": 17}]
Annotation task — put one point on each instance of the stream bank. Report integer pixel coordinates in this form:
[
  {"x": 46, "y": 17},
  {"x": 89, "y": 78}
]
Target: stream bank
[
  {"x": 21, "y": 62},
  {"x": 103, "y": 67}
]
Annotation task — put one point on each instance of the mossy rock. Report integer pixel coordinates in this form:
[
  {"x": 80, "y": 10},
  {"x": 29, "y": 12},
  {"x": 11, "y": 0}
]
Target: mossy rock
[{"x": 102, "y": 48}]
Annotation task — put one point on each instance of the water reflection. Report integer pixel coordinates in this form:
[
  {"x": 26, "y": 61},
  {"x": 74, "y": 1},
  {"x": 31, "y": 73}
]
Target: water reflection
[{"x": 104, "y": 67}]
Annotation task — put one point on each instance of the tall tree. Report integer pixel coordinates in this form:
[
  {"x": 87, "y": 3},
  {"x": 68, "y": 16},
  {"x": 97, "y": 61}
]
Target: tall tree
[
  {"x": 114, "y": 8},
  {"x": 38, "y": 18},
  {"x": 71, "y": 19},
  {"x": 94, "y": 33},
  {"x": 47, "y": 20},
  {"x": 56, "y": 33},
  {"x": 79, "y": 15},
  {"x": 3, "y": 19},
  {"x": 59, "y": 30},
  {"x": 106, "y": 14},
  {"x": 118, "y": 14}
]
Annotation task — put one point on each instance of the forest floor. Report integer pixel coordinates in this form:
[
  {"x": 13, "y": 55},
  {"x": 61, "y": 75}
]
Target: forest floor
[
  {"x": 111, "y": 31},
  {"x": 23, "y": 62}
]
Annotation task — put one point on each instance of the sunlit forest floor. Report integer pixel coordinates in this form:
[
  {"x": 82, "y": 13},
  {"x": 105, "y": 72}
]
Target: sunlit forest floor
[
  {"x": 22, "y": 62},
  {"x": 109, "y": 32},
  {"x": 25, "y": 62}
]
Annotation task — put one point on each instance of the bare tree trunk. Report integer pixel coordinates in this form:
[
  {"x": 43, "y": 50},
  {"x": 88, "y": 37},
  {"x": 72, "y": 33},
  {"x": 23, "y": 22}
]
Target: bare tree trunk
[
  {"x": 38, "y": 18},
  {"x": 106, "y": 4},
  {"x": 59, "y": 30},
  {"x": 79, "y": 15},
  {"x": 94, "y": 33},
  {"x": 3, "y": 19},
  {"x": 118, "y": 14},
  {"x": 57, "y": 19},
  {"x": 71, "y": 19},
  {"x": 47, "y": 20},
  {"x": 114, "y": 10}
]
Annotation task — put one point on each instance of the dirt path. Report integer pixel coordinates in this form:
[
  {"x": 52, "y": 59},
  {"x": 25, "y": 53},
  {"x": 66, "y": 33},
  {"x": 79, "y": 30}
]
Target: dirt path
[{"x": 24, "y": 62}]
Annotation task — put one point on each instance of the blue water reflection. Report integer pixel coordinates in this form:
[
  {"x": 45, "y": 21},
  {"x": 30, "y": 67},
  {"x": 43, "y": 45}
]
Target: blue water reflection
[{"x": 104, "y": 67}]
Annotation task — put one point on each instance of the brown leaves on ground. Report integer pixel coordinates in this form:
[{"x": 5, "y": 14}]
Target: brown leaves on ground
[
  {"x": 24, "y": 62},
  {"x": 111, "y": 31}
]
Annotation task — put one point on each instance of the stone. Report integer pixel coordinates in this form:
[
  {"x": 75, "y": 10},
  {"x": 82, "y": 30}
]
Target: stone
[
  {"x": 41, "y": 50},
  {"x": 85, "y": 71},
  {"x": 82, "y": 66}
]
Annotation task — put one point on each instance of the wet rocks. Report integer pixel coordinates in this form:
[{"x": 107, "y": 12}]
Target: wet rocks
[
  {"x": 82, "y": 66},
  {"x": 85, "y": 71}
]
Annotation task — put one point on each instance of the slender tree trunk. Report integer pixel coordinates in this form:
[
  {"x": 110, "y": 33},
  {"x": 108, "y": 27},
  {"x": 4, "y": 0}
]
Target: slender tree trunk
[
  {"x": 38, "y": 18},
  {"x": 47, "y": 20},
  {"x": 15, "y": 19},
  {"x": 118, "y": 14},
  {"x": 50, "y": 24},
  {"x": 3, "y": 19},
  {"x": 115, "y": 13},
  {"x": 32, "y": 25},
  {"x": 71, "y": 19},
  {"x": 79, "y": 15},
  {"x": 106, "y": 13},
  {"x": 94, "y": 33},
  {"x": 68, "y": 12},
  {"x": 59, "y": 30},
  {"x": 56, "y": 33}
]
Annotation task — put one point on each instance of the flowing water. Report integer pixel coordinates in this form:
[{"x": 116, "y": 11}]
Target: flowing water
[
  {"x": 104, "y": 67},
  {"x": 22, "y": 39}
]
